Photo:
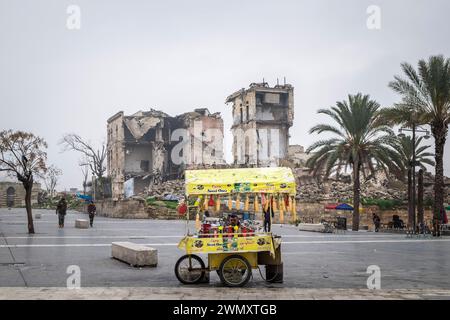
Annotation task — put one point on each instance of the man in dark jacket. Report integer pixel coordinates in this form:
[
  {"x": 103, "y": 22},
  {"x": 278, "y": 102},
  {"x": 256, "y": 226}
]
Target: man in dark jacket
[
  {"x": 91, "y": 210},
  {"x": 61, "y": 210},
  {"x": 376, "y": 221},
  {"x": 268, "y": 215}
]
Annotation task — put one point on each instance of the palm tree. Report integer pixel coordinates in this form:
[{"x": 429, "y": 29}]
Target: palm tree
[
  {"x": 362, "y": 142},
  {"x": 426, "y": 97},
  {"x": 403, "y": 147}
]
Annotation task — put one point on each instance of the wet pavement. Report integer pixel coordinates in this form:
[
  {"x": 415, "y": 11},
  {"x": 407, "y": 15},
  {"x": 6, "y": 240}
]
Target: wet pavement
[
  {"x": 195, "y": 293},
  {"x": 311, "y": 260}
]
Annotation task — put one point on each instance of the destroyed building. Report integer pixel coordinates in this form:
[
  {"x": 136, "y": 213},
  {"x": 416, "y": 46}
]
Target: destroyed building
[
  {"x": 206, "y": 137},
  {"x": 262, "y": 116},
  {"x": 140, "y": 147}
]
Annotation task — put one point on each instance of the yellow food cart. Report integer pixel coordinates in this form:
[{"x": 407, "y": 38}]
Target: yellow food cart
[{"x": 233, "y": 254}]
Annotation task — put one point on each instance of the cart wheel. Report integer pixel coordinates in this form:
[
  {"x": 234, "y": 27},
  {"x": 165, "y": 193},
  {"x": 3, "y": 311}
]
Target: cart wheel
[
  {"x": 235, "y": 271},
  {"x": 189, "y": 269}
]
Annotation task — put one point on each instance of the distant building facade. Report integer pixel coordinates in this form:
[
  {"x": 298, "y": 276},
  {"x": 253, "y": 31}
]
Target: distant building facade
[{"x": 12, "y": 194}]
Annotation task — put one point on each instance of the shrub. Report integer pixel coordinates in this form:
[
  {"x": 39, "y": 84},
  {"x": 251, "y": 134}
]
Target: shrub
[
  {"x": 151, "y": 201},
  {"x": 383, "y": 204}
]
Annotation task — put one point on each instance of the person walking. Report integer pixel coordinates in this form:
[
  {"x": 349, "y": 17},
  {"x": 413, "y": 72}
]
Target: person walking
[
  {"x": 376, "y": 221},
  {"x": 92, "y": 209},
  {"x": 61, "y": 210},
  {"x": 268, "y": 215}
]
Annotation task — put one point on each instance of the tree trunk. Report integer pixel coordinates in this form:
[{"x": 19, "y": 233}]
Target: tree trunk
[
  {"x": 356, "y": 197},
  {"x": 410, "y": 204},
  {"x": 420, "y": 211},
  {"x": 439, "y": 133},
  {"x": 28, "y": 189}
]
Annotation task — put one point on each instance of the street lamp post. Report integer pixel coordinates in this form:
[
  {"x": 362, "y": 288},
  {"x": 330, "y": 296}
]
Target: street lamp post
[{"x": 415, "y": 129}]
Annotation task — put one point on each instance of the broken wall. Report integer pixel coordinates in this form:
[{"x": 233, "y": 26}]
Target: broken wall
[
  {"x": 116, "y": 154},
  {"x": 138, "y": 159},
  {"x": 206, "y": 138},
  {"x": 262, "y": 117}
]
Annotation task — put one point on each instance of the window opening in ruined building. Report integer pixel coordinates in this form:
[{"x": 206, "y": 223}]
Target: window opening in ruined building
[
  {"x": 259, "y": 98},
  {"x": 284, "y": 99},
  {"x": 235, "y": 149},
  {"x": 242, "y": 120},
  {"x": 145, "y": 165},
  {"x": 247, "y": 118}
]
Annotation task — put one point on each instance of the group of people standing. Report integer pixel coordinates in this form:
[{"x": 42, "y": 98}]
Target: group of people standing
[
  {"x": 421, "y": 227},
  {"x": 61, "y": 211}
]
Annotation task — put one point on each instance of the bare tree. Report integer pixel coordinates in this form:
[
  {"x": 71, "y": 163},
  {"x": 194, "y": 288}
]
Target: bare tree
[
  {"x": 51, "y": 179},
  {"x": 85, "y": 171},
  {"x": 95, "y": 157},
  {"x": 22, "y": 155}
]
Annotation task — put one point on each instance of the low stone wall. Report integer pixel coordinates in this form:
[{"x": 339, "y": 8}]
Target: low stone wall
[
  {"x": 309, "y": 212},
  {"x": 133, "y": 209}
]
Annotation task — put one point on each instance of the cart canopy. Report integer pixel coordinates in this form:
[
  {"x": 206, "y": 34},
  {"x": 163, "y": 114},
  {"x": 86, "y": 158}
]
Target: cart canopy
[{"x": 243, "y": 180}]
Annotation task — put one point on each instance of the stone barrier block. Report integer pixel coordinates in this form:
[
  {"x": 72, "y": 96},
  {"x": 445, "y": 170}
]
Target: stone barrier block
[
  {"x": 315, "y": 227},
  {"x": 81, "y": 224},
  {"x": 137, "y": 255}
]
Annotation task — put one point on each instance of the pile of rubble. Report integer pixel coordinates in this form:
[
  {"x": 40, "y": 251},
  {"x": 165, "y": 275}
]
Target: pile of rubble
[
  {"x": 310, "y": 190},
  {"x": 170, "y": 187},
  {"x": 337, "y": 190}
]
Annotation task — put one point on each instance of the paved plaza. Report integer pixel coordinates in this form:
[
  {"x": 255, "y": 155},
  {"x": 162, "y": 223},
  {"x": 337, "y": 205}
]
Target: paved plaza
[{"x": 315, "y": 264}]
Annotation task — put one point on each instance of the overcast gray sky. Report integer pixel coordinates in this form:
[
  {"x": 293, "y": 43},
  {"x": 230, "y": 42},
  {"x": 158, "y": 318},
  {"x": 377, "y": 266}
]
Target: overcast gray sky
[{"x": 179, "y": 55}]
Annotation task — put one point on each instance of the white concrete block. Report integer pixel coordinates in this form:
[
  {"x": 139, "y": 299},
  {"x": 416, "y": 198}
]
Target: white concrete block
[
  {"x": 315, "y": 227},
  {"x": 135, "y": 254},
  {"x": 81, "y": 224},
  {"x": 37, "y": 216}
]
